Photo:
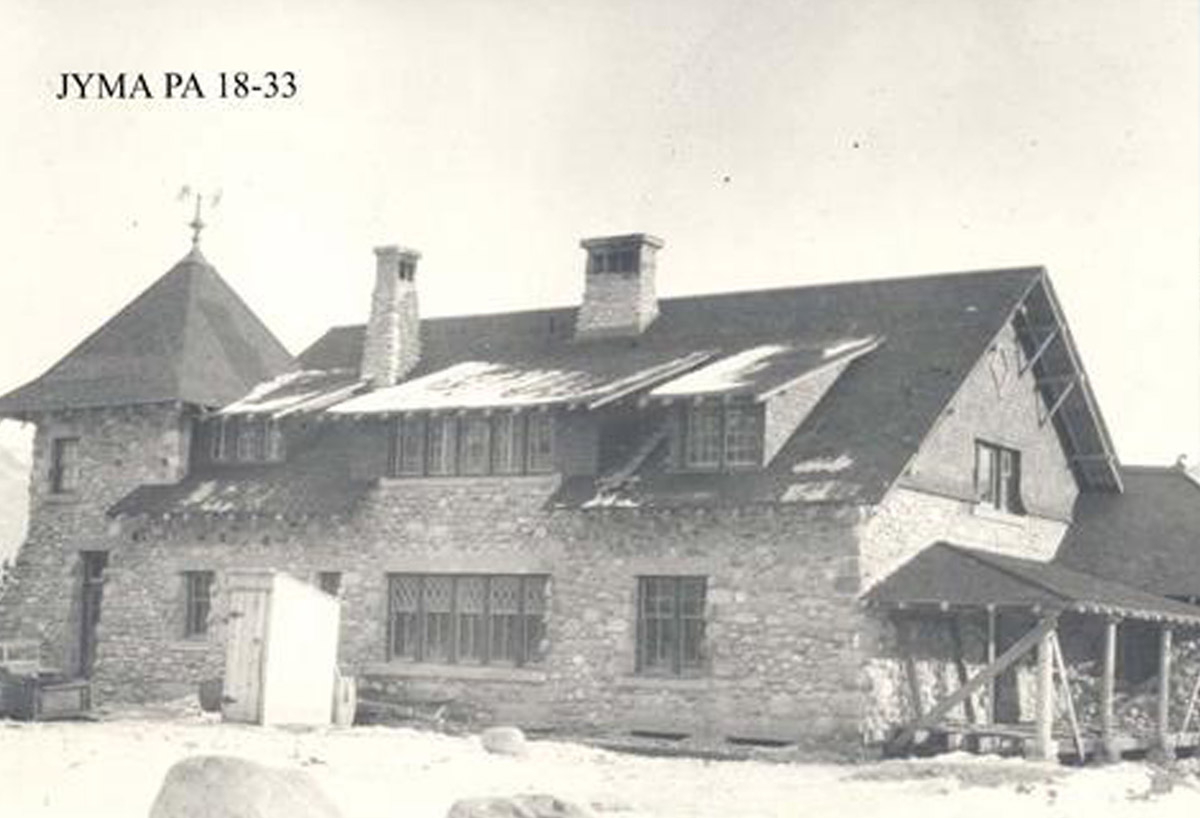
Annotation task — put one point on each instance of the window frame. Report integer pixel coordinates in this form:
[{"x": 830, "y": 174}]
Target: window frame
[
  {"x": 64, "y": 468},
  {"x": 999, "y": 489},
  {"x": 722, "y": 436},
  {"x": 197, "y": 602},
  {"x": 688, "y": 654},
  {"x": 508, "y": 446},
  {"x": 437, "y": 636},
  {"x": 245, "y": 439}
]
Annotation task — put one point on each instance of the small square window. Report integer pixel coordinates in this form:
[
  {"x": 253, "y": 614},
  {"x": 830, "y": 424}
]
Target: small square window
[
  {"x": 330, "y": 582},
  {"x": 670, "y": 625}
]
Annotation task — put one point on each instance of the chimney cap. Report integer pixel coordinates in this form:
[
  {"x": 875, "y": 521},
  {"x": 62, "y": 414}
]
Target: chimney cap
[
  {"x": 625, "y": 240},
  {"x": 397, "y": 251}
]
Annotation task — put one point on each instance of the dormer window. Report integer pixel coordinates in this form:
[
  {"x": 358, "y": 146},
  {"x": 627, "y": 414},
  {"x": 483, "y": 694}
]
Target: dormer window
[
  {"x": 245, "y": 440},
  {"x": 720, "y": 436},
  {"x": 472, "y": 444},
  {"x": 998, "y": 477}
]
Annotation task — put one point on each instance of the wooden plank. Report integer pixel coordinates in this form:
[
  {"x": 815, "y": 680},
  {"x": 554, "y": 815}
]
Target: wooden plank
[
  {"x": 960, "y": 666},
  {"x": 904, "y": 640},
  {"x": 1018, "y": 649},
  {"x": 1162, "y": 734},
  {"x": 990, "y": 658},
  {"x": 1039, "y": 352},
  {"x": 1044, "y": 747},
  {"x": 1065, "y": 686},
  {"x": 1107, "y": 688}
]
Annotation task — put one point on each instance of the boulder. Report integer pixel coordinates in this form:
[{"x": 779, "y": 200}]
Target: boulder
[
  {"x": 505, "y": 741},
  {"x": 227, "y": 787},
  {"x": 517, "y": 806}
]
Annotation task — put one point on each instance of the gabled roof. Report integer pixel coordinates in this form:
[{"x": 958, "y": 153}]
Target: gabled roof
[
  {"x": 1147, "y": 536},
  {"x": 954, "y": 576},
  {"x": 188, "y": 338},
  {"x": 921, "y": 337}
]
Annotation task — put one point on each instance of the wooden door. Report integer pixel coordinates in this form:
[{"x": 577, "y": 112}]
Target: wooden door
[
  {"x": 91, "y": 594},
  {"x": 245, "y": 654}
]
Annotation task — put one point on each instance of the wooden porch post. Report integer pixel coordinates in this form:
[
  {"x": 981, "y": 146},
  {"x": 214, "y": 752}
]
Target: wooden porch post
[
  {"x": 991, "y": 658},
  {"x": 1044, "y": 746},
  {"x": 1164, "y": 743},
  {"x": 1108, "y": 737}
]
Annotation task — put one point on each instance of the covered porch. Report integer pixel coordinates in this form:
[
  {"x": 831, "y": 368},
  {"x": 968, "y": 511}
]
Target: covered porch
[{"x": 1027, "y": 612}]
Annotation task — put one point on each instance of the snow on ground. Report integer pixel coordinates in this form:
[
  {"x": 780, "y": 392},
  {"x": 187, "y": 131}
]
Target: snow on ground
[{"x": 113, "y": 768}]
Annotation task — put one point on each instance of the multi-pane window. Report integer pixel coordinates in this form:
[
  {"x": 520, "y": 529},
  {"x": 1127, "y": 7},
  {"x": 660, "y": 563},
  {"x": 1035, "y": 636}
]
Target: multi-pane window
[
  {"x": 998, "y": 477},
  {"x": 670, "y": 625},
  {"x": 244, "y": 440},
  {"x": 508, "y": 444},
  {"x": 480, "y": 619},
  {"x": 197, "y": 588},
  {"x": 471, "y": 444},
  {"x": 64, "y": 464},
  {"x": 722, "y": 436}
]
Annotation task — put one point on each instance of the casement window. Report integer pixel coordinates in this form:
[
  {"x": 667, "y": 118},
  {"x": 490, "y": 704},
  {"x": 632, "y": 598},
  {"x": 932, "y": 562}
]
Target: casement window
[
  {"x": 998, "y": 477},
  {"x": 467, "y": 619},
  {"x": 472, "y": 444},
  {"x": 197, "y": 591},
  {"x": 722, "y": 436},
  {"x": 670, "y": 625},
  {"x": 245, "y": 440},
  {"x": 64, "y": 465}
]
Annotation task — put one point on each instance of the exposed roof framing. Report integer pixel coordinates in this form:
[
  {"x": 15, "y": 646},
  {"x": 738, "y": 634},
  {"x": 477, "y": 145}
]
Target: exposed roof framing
[{"x": 1059, "y": 376}]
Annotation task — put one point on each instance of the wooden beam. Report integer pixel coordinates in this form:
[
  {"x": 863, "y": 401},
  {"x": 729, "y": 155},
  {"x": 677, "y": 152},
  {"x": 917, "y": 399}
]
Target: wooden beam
[
  {"x": 1039, "y": 352},
  {"x": 1018, "y": 649},
  {"x": 1044, "y": 747},
  {"x": 1060, "y": 400},
  {"x": 960, "y": 666},
  {"x": 1163, "y": 735},
  {"x": 990, "y": 658},
  {"x": 1065, "y": 686},
  {"x": 903, "y": 638},
  {"x": 1107, "y": 688}
]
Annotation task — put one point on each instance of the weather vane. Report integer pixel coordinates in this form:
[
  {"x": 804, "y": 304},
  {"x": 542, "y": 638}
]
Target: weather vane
[{"x": 197, "y": 223}]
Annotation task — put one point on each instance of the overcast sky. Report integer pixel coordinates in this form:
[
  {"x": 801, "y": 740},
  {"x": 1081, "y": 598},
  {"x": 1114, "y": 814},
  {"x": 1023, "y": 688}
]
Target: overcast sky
[{"x": 769, "y": 143}]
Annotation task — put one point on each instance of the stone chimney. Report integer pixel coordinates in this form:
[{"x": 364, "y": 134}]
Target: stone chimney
[
  {"x": 619, "y": 299},
  {"x": 392, "y": 345}
]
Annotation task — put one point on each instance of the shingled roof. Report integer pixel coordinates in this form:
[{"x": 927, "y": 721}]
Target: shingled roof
[
  {"x": 954, "y": 576},
  {"x": 188, "y": 338},
  {"x": 1148, "y": 536},
  {"x": 920, "y": 338}
]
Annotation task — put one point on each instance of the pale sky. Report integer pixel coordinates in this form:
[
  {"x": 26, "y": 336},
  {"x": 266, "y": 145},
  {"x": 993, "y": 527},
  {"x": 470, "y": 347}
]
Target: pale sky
[{"x": 768, "y": 143}]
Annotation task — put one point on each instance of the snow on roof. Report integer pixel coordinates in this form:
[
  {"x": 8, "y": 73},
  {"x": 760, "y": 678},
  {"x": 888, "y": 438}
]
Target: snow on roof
[
  {"x": 576, "y": 379},
  {"x": 294, "y": 392},
  {"x": 762, "y": 369}
]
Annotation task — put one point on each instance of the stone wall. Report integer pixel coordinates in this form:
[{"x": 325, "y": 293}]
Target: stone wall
[
  {"x": 997, "y": 405},
  {"x": 119, "y": 449},
  {"x": 783, "y": 623}
]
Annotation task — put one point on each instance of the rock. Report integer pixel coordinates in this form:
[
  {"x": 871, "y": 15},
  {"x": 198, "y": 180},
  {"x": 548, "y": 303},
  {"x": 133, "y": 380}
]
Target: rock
[
  {"x": 227, "y": 787},
  {"x": 505, "y": 741},
  {"x": 518, "y": 806}
]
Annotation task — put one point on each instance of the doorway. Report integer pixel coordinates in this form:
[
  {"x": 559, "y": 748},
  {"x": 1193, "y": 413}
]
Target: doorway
[{"x": 92, "y": 592}]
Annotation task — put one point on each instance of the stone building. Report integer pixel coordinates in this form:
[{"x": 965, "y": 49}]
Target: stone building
[{"x": 710, "y": 515}]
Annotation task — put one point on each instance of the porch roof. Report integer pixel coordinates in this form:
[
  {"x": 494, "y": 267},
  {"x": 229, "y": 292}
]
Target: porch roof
[{"x": 953, "y": 576}]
